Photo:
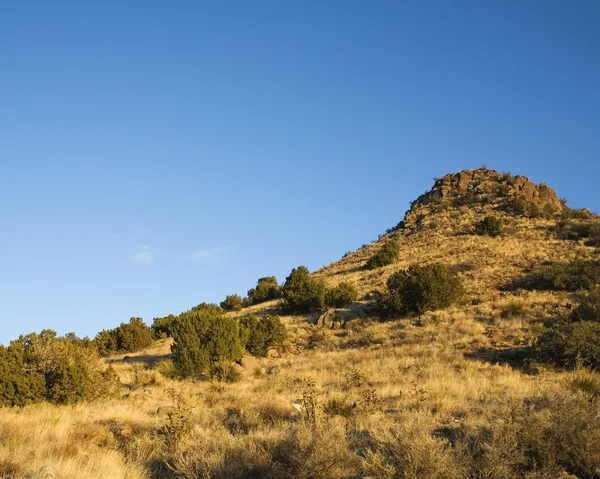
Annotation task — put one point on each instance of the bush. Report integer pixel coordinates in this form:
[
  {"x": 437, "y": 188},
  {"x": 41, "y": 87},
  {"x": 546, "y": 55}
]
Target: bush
[
  {"x": 42, "y": 366},
  {"x": 225, "y": 372},
  {"x": 488, "y": 226},
  {"x": 202, "y": 338},
  {"x": 233, "y": 302},
  {"x": 387, "y": 254},
  {"x": 128, "y": 337},
  {"x": 573, "y": 276},
  {"x": 589, "y": 307},
  {"x": 163, "y": 327},
  {"x": 344, "y": 293},
  {"x": 210, "y": 308},
  {"x": 421, "y": 288},
  {"x": 577, "y": 229},
  {"x": 570, "y": 344},
  {"x": 261, "y": 334},
  {"x": 266, "y": 289},
  {"x": 302, "y": 292}
]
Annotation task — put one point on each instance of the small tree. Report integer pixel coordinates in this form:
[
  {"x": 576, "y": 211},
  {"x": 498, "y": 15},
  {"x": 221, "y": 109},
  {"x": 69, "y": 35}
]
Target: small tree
[
  {"x": 488, "y": 226},
  {"x": 201, "y": 338},
  {"x": 261, "y": 334},
  {"x": 386, "y": 255},
  {"x": 232, "y": 302},
  {"x": 266, "y": 289},
  {"x": 302, "y": 292},
  {"x": 344, "y": 293},
  {"x": 421, "y": 288}
]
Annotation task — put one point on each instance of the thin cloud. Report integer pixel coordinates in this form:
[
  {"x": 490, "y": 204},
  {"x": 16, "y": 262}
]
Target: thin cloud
[
  {"x": 211, "y": 255},
  {"x": 144, "y": 255}
]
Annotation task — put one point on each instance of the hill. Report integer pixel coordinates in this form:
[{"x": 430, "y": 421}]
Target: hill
[{"x": 458, "y": 392}]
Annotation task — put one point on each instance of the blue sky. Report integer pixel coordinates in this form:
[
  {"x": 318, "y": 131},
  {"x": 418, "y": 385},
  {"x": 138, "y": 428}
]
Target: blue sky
[{"x": 156, "y": 155}]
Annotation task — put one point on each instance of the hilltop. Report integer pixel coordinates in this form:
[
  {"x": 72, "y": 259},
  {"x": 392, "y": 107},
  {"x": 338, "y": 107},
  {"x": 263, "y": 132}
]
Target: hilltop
[{"x": 353, "y": 393}]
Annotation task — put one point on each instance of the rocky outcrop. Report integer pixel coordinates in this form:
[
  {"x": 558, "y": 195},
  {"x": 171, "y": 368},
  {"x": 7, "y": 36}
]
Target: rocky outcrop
[{"x": 489, "y": 187}]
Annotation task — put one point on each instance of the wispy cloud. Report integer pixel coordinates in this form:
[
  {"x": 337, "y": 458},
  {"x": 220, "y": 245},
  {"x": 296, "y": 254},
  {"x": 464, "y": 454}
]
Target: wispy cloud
[
  {"x": 211, "y": 255},
  {"x": 144, "y": 255}
]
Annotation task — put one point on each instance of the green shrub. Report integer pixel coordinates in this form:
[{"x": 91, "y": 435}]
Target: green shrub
[
  {"x": 43, "y": 366},
  {"x": 589, "y": 307},
  {"x": 488, "y": 226},
  {"x": 232, "y": 302},
  {"x": 19, "y": 386},
  {"x": 211, "y": 308},
  {"x": 163, "y": 327},
  {"x": 134, "y": 336},
  {"x": 201, "y": 338},
  {"x": 570, "y": 344},
  {"x": 386, "y": 255},
  {"x": 343, "y": 294},
  {"x": 261, "y": 334},
  {"x": 266, "y": 289},
  {"x": 578, "y": 229},
  {"x": 421, "y": 288},
  {"x": 302, "y": 292},
  {"x": 573, "y": 276},
  {"x": 225, "y": 372},
  {"x": 128, "y": 337}
]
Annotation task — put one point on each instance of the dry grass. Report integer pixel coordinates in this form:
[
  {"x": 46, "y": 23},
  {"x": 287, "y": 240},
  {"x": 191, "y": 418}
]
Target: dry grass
[{"x": 451, "y": 399}]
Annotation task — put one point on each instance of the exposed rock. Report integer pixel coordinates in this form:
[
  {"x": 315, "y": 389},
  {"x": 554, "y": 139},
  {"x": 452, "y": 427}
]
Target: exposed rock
[{"x": 483, "y": 186}]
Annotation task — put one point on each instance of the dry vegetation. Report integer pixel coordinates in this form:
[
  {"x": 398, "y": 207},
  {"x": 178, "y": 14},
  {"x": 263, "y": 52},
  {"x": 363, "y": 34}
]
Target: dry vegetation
[{"x": 458, "y": 397}]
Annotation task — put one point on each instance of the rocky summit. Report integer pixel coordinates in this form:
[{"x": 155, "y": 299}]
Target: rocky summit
[{"x": 486, "y": 187}]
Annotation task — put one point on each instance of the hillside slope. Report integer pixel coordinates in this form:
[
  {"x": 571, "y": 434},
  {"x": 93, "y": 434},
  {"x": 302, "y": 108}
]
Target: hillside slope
[{"x": 459, "y": 396}]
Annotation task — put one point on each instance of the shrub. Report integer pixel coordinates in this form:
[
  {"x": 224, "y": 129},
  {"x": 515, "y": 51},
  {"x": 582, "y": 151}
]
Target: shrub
[
  {"x": 573, "y": 276},
  {"x": 42, "y": 366},
  {"x": 578, "y": 229},
  {"x": 421, "y": 288},
  {"x": 128, "y": 337},
  {"x": 210, "y": 308},
  {"x": 344, "y": 293},
  {"x": 232, "y": 302},
  {"x": 133, "y": 336},
  {"x": 386, "y": 255},
  {"x": 202, "y": 338},
  {"x": 570, "y": 344},
  {"x": 163, "y": 327},
  {"x": 266, "y": 289},
  {"x": 589, "y": 307},
  {"x": 488, "y": 226},
  {"x": 302, "y": 292},
  {"x": 225, "y": 372},
  {"x": 261, "y": 334}
]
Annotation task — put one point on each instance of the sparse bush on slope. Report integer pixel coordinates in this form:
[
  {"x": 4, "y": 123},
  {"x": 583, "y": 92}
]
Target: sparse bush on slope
[
  {"x": 573, "y": 276},
  {"x": 163, "y": 327},
  {"x": 302, "y": 292},
  {"x": 232, "y": 302},
  {"x": 128, "y": 337},
  {"x": 570, "y": 344},
  {"x": 386, "y": 255},
  {"x": 421, "y": 288},
  {"x": 259, "y": 334},
  {"x": 202, "y": 338},
  {"x": 488, "y": 226},
  {"x": 343, "y": 294},
  {"x": 266, "y": 289},
  {"x": 39, "y": 367}
]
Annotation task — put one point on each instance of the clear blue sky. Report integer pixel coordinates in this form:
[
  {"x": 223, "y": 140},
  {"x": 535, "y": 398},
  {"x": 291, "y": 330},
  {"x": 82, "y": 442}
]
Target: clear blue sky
[{"x": 156, "y": 155}]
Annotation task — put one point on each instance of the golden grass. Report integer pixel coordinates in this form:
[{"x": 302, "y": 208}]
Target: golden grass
[{"x": 406, "y": 389}]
